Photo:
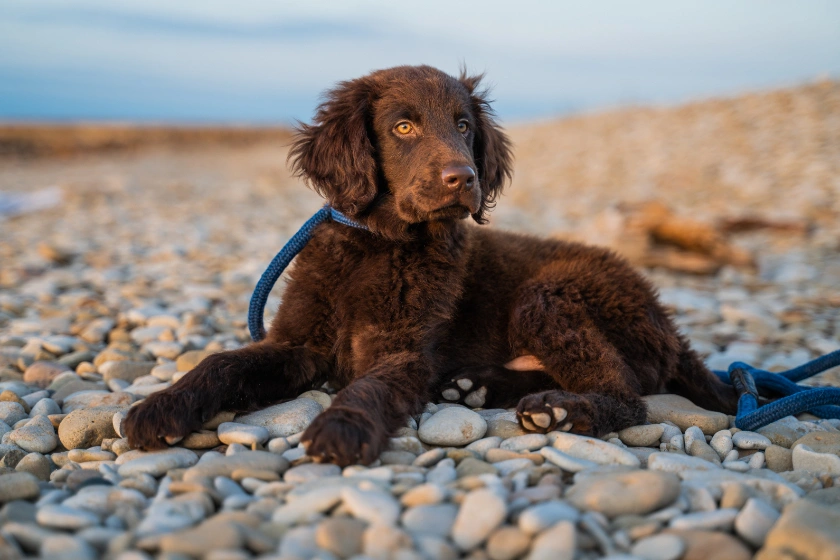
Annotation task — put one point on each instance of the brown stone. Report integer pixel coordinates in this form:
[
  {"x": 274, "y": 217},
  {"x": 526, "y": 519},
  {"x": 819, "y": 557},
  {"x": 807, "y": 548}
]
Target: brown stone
[
  {"x": 709, "y": 545},
  {"x": 188, "y": 360},
  {"x": 821, "y": 442},
  {"x": 807, "y": 530},
  {"x": 43, "y": 373}
]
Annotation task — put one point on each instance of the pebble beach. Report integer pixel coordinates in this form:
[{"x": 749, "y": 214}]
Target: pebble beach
[{"x": 147, "y": 263}]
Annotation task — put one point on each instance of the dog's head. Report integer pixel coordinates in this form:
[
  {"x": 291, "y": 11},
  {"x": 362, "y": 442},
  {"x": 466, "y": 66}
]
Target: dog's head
[{"x": 410, "y": 144}]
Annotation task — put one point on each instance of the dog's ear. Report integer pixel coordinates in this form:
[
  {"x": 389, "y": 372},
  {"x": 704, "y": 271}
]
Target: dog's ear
[
  {"x": 335, "y": 155},
  {"x": 491, "y": 147}
]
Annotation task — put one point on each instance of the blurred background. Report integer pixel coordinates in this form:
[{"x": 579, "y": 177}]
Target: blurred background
[
  {"x": 257, "y": 61},
  {"x": 143, "y": 146}
]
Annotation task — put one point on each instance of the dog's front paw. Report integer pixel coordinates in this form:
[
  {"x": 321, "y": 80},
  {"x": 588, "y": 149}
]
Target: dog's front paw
[
  {"x": 344, "y": 436},
  {"x": 556, "y": 410},
  {"x": 162, "y": 416}
]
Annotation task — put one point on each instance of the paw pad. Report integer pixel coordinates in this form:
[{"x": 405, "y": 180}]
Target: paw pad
[{"x": 476, "y": 398}]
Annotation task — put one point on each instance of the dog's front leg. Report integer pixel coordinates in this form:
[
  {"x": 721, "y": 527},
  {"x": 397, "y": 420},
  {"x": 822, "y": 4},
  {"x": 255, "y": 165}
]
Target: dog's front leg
[
  {"x": 356, "y": 428},
  {"x": 239, "y": 380}
]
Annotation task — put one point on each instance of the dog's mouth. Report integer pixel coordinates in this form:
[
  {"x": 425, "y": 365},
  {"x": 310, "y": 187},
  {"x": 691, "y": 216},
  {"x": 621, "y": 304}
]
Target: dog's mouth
[{"x": 451, "y": 212}]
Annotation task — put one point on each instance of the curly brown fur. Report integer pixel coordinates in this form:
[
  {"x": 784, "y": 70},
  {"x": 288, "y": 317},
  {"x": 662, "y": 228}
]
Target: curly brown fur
[{"x": 398, "y": 314}]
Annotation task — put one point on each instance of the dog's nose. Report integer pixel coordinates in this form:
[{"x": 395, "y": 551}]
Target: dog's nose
[{"x": 458, "y": 177}]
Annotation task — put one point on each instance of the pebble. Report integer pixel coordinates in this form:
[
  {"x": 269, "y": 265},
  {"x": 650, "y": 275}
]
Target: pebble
[
  {"x": 87, "y": 427},
  {"x": 63, "y": 517},
  {"x": 699, "y": 448},
  {"x": 805, "y": 530},
  {"x": 806, "y": 459},
  {"x": 212, "y": 466},
  {"x": 542, "y": 516},
  {"x": 435, "y": 519},
  {"x": 18, "y": 486},
  {"x": 721, "y": 519},
  {"x": 308, "y": 503},
  {"x": 820, "y": 442},
  {"x": 684, "y": 414},
  {"x": 508, "y": 543},
  {"x": 283, "y": 420},
  {"x": 232, "y": 432},
  {"x": 157, "y": 463},
  {"x": 722, "y": 443},
  {"x": 12, "y": 412},
  {"x": 37, "y": 435},
  {"x": 35, "y": 464},
  {"x": 659, "y": 547},
  {"x": 198, "y": 541},
  {"x": 424, "y": 494},
  {"x": 755, "y": 520},
  {"x": 126, "y": 370},
  {"x": 480, "y": 513},
  {"x": 675, "y": 463},
  {"x": 636, "y": 492},
  {"x": 641, "y": 436},
  {"x": 372, "y": 506},
  {"x": 592, "y": 449},
  {"x": 556, "y": 543},
  {"x": 42, "y": 373},
  {"x": 750, "y": 440},
  {"x": 528, "y": 442},
  {"x": 452, "y": 426},
  {"x": 341, "y": 536},
  {"x": 311, "y": 471},
  {"x": 566, "y": 462},
  {"x": 188, "y": 360},
  {"x": 706, "y": 545},
  {"x": 65, "y": 546}
]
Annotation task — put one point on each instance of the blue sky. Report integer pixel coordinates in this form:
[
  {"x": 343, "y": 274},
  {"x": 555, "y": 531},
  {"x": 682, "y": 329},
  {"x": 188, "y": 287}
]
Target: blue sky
[{"x": 266, "y": 61}]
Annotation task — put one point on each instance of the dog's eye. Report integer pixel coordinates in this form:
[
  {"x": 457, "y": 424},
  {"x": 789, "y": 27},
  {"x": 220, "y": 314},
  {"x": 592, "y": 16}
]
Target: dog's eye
[
  {"x": 404, "y": 128},
  {"x": 463, "y": 127}
]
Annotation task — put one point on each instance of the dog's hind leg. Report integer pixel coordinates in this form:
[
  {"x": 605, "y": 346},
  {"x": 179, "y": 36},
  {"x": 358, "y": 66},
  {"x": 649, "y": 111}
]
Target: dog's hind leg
[
  {"x": 491, "y": 386},
  {"x": 598, "y": 391}
]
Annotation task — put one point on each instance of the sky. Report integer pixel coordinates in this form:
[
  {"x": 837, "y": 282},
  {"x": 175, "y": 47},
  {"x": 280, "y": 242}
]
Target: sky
[{"x": 267, "y": 61}]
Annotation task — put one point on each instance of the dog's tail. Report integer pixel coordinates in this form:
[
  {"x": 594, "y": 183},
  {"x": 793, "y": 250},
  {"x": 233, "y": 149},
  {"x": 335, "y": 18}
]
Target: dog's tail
[{"x": 697, "y": 383}]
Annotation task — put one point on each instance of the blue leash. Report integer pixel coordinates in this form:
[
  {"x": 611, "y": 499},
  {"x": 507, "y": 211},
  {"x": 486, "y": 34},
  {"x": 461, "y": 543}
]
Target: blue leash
[
  {"x": 795, "y": 399},
  {"x": 820, "y": 401},
  {"x": 280, "y": 261}
]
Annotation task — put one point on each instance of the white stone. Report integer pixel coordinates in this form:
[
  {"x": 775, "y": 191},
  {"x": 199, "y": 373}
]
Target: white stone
[
  {"x": 303, "y": 506},
  {"x": 592, "y": 449},
  {"x": 63, "y": 517},
  {"x": 528, "y": 442},
  {"x": 750, "y": 440},
  {"x": 691, "y": 434},
  {"x": 481, "y": 512},
  {"x": 566, "y": 462},
  {"x": 806, "y": 459},
  {"x": 557, "y": 543},
  {"x": 452, "y": 426},
  {"x": 38, "y": 435},
  {"x": 755, "y": 520},
  {"x": 372, "y": 506},
  {"x": 542, "y": 516},
  {"x": 659, "y": 547},
  {"x": 722, "y": 443},
  {"x": 676, "y": 463},
  {"x": 283, "y": 420},
  {"x": 234, "y": 432},
  {"x": 156, "y": 463},
  {"x": 718, "y": 520},
  {"x": 433, "y": 519}
]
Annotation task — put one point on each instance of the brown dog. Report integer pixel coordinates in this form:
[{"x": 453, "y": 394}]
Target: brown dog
[{"x": 426, "y": 305}]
